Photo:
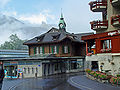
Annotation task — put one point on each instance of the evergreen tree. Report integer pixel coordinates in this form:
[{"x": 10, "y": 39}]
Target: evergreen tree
[{"x": 15, "y": 43}]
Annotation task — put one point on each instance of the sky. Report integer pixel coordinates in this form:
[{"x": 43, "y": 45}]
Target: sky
[{"x": 76, "y": 13}]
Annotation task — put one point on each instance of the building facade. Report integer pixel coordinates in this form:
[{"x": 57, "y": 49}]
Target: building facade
[
  {"x": 56, "y": 51},
  {"x": 106, "y": 55}
]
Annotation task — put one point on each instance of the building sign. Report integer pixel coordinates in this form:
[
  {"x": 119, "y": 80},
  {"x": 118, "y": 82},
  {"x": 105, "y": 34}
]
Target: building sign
[
  {"x": 13, "y": 63},
  {"x": 114, "y": 33}
]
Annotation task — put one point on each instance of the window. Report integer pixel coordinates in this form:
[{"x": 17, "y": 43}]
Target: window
[
  {"x": 25, "y": 70},
  {"x": 56, "y": 66},
  {"x": 28, "y": 70},
  {"x": 41, "y": 50},
  {"x": 32, "y": 70},
  {"x": 66, "y": 49},
  {"x": 107, "y": 44},
  {"x": 73, "y": 64},
  {"x": 55, "y": 49},
  {"x": 37, "y": 50},
  {"x": 36, "y": 70}
]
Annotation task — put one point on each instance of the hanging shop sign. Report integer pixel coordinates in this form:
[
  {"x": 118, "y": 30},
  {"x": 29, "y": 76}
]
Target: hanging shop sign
[{"x": 114, "y": 33}]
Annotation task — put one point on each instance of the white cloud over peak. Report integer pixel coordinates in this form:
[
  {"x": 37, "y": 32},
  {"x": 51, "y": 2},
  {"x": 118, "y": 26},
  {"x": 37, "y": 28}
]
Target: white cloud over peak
[
  {"x": 33, "y": 19},
  {"x": 3, "y": 3},
  {"x": 43, "y": 16}
]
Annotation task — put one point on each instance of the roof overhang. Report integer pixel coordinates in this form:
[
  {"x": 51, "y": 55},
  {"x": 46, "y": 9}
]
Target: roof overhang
[
  {"x": 43, "y": 58},
  {"x": 101, "y": 35}
]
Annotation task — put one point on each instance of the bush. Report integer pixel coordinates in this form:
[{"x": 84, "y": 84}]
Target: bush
[
  {"x": 92, "y": 73},
  {"x": 115, "y": 80},
  {"x": 118, "y": 75},
  {"x": 88, "y": 71},
  {"x": 97, "y": 74},
  {"x": 103, "y": 76}
]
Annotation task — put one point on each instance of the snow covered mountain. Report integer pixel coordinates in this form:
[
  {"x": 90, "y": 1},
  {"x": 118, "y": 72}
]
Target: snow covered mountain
[{"x": 10, "y": 25}]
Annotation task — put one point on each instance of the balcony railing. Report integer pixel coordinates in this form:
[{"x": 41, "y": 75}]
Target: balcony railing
[
  {"x": 115, "y": 20},
  {"x": 115, "y": 3},
  {"x": 99, "y": 25},
  {"x": 98, "y": 6}
]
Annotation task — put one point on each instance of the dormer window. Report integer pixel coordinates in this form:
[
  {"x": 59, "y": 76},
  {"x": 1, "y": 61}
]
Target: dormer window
[
  {"x": 55, "y": 37},
  {"x": 40, "y": 38}
]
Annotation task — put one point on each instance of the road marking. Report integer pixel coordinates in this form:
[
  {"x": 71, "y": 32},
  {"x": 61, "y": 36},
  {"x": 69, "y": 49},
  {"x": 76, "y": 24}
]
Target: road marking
[{"x": 79, "y": 84}]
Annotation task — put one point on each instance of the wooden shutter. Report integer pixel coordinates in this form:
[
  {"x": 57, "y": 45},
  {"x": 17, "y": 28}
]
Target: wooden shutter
[
  {"x": 43, "y": 50},
  {"x": 63, "y": 49},
  {"x": 68, "y": 49},
  {"x": 98, "y": 46},
  {"x": 52, "y": 48},
  {"x": 57, "y": 49},
  {"x": 34, "y": 50},
  {"x": 115, "y": 45}
]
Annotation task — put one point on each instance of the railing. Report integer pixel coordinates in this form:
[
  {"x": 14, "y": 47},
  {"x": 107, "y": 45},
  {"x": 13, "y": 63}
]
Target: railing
[
  {"x": 115, "y": 20},
  {"x": 98, "y": 6},
  {"x": 99, "y": 25}
]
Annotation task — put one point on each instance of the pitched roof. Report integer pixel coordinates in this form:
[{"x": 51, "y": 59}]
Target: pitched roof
[{"x": 56, "y": 35}]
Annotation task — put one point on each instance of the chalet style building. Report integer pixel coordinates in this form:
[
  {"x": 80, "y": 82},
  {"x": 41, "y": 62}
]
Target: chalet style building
[
  {"x": 57, "y": 51},
  {"x": 102, "y": 48}
]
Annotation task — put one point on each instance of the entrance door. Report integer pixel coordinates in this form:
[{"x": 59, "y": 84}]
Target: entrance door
[{"x": 95, "y": 65}]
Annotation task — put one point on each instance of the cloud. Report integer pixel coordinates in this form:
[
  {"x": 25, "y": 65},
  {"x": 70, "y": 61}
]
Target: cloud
[
  {"x": 10, "y": 13},
  {"x": 3, "y": 3},
  {"x": 34, "y": 19}
]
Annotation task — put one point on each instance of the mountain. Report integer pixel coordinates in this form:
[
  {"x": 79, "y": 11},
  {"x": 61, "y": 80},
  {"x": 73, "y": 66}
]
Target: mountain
[{"x": 10, "y": 25}]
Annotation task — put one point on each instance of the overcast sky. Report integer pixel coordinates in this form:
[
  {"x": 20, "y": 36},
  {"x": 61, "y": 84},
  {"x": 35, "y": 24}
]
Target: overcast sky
[{"x": 77, "y": 13}]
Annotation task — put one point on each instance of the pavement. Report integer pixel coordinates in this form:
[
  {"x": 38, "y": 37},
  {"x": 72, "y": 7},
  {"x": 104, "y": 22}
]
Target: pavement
[
  {"x": 83, "y": 83},
  {"x": 54, "y": 82},
  {"x": 8, "y": 84}
]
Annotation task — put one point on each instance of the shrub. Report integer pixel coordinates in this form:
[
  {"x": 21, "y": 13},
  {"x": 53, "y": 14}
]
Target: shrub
[
  {"x": 103, "y": 76},
  {"x": 115, "y": 80},
  {"x": 88, "y": 71},
  {"x": 118, "y": 75},
  {"x": 92, "y": 73}
]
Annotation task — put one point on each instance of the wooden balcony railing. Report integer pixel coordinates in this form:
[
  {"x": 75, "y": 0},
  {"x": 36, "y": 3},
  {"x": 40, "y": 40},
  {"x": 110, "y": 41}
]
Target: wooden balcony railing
[
  {"x": 99, "y": 25},
  {"x": 115, "y": 20},
  {"x": 98, "y": 5}
]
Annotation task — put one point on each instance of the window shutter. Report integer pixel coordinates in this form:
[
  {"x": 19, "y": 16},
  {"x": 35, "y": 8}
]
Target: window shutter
[
  {"x": 57, "y": 49},
  {"x": 68, "y": 49},
  {"x": 63, "y": 49},
  {"x": 52, "y": 48},
  {"x": 34, "y": 50},
  {"x": 43, "y": 50}
]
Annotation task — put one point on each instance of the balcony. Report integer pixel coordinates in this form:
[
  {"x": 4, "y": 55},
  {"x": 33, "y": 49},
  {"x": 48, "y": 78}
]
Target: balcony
[
  {"x": 99, "y": 25},
  {"x": 115, "y": 20},
  {"x": 115, "y": 3},
  {"x": 98, "y": 6}
]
